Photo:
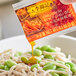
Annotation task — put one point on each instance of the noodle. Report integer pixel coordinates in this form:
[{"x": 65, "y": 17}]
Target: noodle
[
  {"x": 54, "y": 53},
  {"x": 22, "y": 69},
  {"x": 55, "y": 72}
]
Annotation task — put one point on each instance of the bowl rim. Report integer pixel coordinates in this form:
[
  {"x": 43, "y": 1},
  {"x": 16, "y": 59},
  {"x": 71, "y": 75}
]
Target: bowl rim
[{"x": 23, "y": 36}]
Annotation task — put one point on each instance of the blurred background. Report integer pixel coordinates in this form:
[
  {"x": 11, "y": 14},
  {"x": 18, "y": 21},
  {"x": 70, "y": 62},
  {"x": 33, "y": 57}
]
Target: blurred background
[{"x": 9, "y": 23}]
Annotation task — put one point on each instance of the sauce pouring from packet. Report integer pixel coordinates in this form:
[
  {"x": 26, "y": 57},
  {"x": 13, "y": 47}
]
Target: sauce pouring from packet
[
  {"x": 33, "y": 60},
  {"x": 44, "y": 18}
]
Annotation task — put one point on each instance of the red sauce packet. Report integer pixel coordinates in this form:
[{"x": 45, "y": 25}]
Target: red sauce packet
[{"x": 44, "y": 18}]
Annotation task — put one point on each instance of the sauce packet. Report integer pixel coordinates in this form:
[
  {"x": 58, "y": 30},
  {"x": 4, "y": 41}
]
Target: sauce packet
[{"x": 40, "y": 18}]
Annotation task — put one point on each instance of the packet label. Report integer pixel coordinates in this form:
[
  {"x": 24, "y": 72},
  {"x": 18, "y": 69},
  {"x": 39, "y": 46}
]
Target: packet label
[{"x": 45, "y": 17}]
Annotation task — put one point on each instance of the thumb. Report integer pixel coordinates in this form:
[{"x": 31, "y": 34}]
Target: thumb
[{"x": 67, "y": 1}]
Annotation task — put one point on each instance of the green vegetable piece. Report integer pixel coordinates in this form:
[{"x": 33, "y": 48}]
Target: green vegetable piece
[
  {"x": 49, "y": 57},
  {"x": 39, "y": 59},
  {"x": 10, "y": 63},
  {"x": 35, "y": 66},
  {"x": 49, "y": 66},
  {"x": 60, "y": 69},
  {"x": 51, "y": 50},
  {"x": 25, "y": 60},
  {"x": 54, "y": 74},
  {"x": 1, "y": 66},
  {"x": 73, "y": 69},
  {"x": 47, "y": 63},
  {"x": 18, "y": 54},
  {"x": 38, "y": 47},
  {"x": 71, "y": 64},
  {"x": 37, "y": 52},
  {"x": 45, "y": 47},
  {"x": 6, "y": 68}
]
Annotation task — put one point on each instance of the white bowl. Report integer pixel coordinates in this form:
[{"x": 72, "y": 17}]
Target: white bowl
[{"x": 20, "y": 43}]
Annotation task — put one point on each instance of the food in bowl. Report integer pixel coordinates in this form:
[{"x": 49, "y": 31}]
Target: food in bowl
[{"x": 49, "y": 62}]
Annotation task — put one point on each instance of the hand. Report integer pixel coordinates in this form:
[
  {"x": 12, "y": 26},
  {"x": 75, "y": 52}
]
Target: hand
[{"x": 67, "y": 1}]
